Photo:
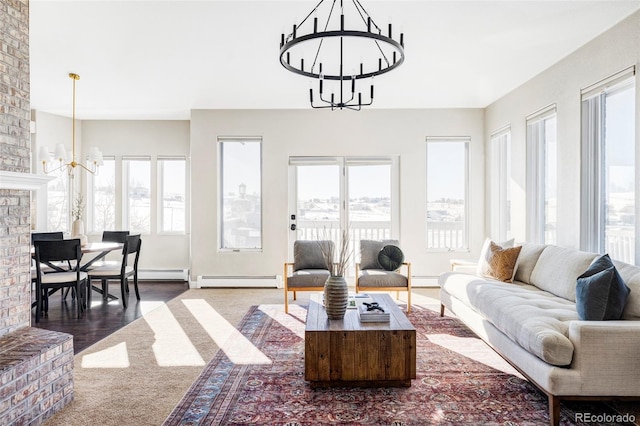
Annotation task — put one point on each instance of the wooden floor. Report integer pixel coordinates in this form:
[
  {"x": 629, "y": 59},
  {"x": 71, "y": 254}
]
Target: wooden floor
[{"x": 104, "y": 317}]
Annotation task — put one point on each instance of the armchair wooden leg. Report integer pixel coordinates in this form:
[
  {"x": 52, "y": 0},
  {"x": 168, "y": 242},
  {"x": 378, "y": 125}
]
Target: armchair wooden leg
[
  {"x": 294, "y": 295},
  {"x": 286, "y": 301},
  {"x": 441, "y": 310},
  {"x": 409, "y": 301}
]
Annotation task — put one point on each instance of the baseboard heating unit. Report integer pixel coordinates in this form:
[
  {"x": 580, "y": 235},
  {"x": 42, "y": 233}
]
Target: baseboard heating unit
[
  {"x": 213, "y": 281},
  {"x": 163, "y": 274}
]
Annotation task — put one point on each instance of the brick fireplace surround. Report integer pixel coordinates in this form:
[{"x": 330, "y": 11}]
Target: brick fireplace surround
[{"x": 36, "y": 366}]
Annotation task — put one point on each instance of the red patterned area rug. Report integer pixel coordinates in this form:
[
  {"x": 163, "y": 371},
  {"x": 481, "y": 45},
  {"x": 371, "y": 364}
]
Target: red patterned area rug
[{"x": 257, "y": 378}]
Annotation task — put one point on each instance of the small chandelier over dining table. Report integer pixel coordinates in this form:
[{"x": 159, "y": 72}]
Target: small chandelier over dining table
[
  {"x": 95, "y": 156},
  {"x": 338, "y": 58}
]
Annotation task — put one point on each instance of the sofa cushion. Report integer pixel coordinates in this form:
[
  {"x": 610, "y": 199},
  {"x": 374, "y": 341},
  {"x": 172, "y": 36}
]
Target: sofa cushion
[
  {"x": 558, "y": 268},
  {"x": 482, "y": 266},
  {"x": 631, "y": 276},
  {"x": 536, "y": 320},
  {"x": 501, "y": 263},
  {"x": 390, "y": 257},
  {"x": 369, "y": 250},
  {"x": 527, "y": 261},
  {"x": 601, "y": 293}
]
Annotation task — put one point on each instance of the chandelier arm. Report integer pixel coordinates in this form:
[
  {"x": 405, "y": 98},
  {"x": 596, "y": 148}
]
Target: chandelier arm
[
  {"x": 311, "y": 13},
  {"x": 367, "y": 14},
  {"x": 93, "y": 172}
]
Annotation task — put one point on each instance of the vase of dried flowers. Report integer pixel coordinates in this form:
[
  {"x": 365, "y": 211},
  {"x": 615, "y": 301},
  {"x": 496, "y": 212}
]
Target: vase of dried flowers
[
  {"x": 77, "y": 227},
  {"x": 336, "y": 292}
]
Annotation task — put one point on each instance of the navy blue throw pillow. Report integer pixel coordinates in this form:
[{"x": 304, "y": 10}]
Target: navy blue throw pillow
[
  {"x": 390, "y": 257},
  {"x": 601, "y": 293}
]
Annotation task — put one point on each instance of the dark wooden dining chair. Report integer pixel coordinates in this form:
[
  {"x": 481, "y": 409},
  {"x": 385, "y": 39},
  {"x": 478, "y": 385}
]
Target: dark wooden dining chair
[
  {"x": 47, "y": 251},
  {"x": 127, "y": 267},
  {"x": 45, "y": 236},
  {"x": 115, "y": 236}
]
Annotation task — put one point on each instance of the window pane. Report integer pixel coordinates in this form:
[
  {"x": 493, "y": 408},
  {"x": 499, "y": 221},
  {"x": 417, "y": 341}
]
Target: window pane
[
  {"x": 550, "y": 181},
  {"x": 241, "y": 226},
  {"x": 58, "y": 215},
  {"x": 542, "y": 178},
  {"x": 619, "y": 175},
  {"x": 138, "y": 193},
  {"x": 446, "y": 194},
  {"x": 369, "y": 203},
  {"x": 172, "y": 184},
  {"x": 501, "y": 185},
  {"x": 102, "y": 197}
]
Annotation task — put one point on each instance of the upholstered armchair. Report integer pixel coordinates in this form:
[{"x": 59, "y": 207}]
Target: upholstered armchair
[
  {"x": 308, "y": 271},
  {"x": 382, "y": 268}
]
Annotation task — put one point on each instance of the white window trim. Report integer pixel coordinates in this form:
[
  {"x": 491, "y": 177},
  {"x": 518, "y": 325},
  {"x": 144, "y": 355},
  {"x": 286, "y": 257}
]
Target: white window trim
[
  {"x": 220, "y": 207},
  {"x": 593, "y": 134},
  {"x": 536, "y": 173},
  {"x": 501, "y": 182},
  {"x": 466, "y": 227}
]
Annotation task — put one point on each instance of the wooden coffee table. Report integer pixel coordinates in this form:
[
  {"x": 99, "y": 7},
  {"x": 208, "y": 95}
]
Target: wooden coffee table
[{"x": 350, "y": 353}]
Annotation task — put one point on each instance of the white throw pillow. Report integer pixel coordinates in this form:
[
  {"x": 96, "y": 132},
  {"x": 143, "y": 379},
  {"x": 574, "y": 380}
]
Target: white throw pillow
[{"x": 483, "y": 266}]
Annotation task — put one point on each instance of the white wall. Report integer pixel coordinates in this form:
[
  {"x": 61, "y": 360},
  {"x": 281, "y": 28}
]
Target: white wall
[
  {"x": 324, "y": 133},
  {"x": 613, "y": 51}
]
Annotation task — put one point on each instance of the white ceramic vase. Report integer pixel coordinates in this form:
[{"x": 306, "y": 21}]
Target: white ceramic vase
[{"x": 77, "y": 231}]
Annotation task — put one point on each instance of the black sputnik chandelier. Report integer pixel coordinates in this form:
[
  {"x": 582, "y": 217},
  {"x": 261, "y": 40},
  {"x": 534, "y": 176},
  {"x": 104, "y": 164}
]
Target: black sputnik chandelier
[{"x": 322, "y": 47}]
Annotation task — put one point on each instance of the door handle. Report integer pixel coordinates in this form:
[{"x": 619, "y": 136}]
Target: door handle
[{"x": 293, "y": 226}]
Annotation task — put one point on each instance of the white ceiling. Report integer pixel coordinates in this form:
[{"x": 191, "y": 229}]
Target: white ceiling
[{"x": 161, "y": 59}]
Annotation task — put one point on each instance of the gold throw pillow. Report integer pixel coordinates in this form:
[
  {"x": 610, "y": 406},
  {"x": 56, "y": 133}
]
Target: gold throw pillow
[{"x": 502, "y": 262}]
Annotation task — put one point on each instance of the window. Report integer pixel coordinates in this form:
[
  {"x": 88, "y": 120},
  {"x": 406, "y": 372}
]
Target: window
[
  {"x": 447, "y": 193},
  {"x": 137, "y": 194},
  {"x": 101, "y": 197},
  {"x": 609, "y": 191},
  {"x": 542, "y": 176},
  {"x": 172, "y": 194},
  {"x": 240, "y": 193},
  {"x": 58, "y": 203},
  {"x": 501, "y": 184}
]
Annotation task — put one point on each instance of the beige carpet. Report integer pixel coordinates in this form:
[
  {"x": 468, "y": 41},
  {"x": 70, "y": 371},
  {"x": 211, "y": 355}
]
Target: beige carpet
[{"x": 139, "y": 373}]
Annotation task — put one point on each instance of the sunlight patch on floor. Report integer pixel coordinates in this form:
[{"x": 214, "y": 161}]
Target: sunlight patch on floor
[
  {"x": 112, "y": 357},
  {"x": 172, "y": 346},
  {"x": 475, "y": 349},
  {"x": 148, "y": 306},
  {"x": 432, "y": 303},
  {"x": 295, "y": 320},
  {"x": 237, "y": 347}
]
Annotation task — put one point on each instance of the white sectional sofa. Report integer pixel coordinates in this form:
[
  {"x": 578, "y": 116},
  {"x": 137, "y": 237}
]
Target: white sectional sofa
[{"x": 534, "y": 325}]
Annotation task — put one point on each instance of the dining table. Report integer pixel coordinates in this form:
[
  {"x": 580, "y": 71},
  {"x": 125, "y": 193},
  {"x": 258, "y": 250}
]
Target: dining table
[{"x": 100, "y": 249}]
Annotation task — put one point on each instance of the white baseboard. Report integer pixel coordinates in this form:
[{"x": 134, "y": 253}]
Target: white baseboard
[
  {"x": 164, "y": 274},
  {"x": 213, "y": 281}
]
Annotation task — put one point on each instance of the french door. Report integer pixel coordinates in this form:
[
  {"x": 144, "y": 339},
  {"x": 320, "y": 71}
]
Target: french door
[{"x": 330, "y": 194}]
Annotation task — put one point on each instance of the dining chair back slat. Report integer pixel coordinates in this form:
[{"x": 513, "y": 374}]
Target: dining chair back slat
[
  {"x": 46, "y": 236},
  {"x": 115, "y": 236}
]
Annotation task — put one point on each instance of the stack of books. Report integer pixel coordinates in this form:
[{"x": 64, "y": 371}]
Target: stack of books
[{"x": 374, "y": 315}]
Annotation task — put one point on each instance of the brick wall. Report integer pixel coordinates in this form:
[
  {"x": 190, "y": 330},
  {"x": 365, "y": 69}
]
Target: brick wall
[
  {"x": 36, "y": 365},
  {"x": 15, "y": 294}
]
